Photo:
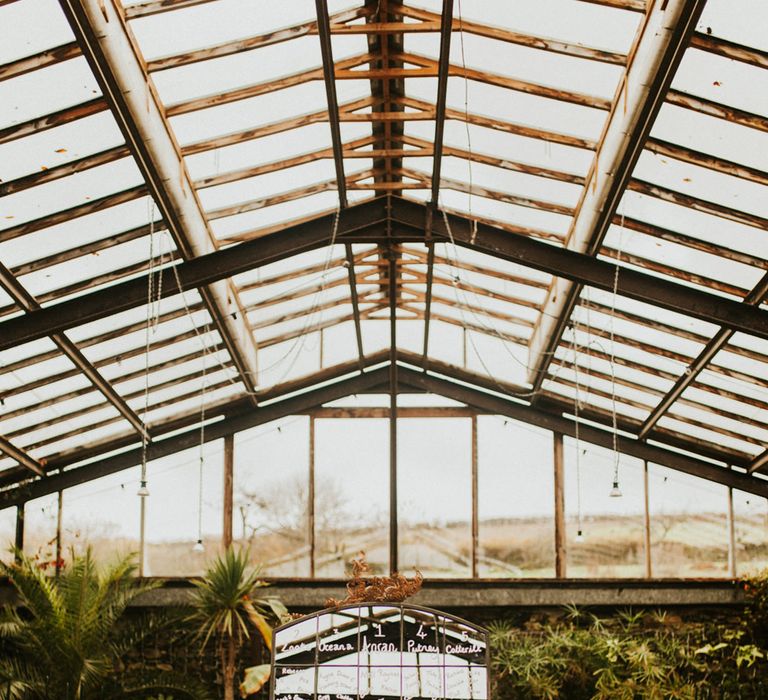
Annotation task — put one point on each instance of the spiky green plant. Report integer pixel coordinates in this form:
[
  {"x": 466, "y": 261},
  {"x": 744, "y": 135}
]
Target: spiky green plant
[
  {"x": 226, "y": 613},
  {"x": 68, "y": 633}
]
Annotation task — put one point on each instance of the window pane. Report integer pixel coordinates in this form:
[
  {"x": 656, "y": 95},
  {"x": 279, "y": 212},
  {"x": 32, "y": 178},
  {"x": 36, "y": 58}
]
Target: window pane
[
  {"x": 103, "y": 514},
  {"x": 352, "y": 493},
  {"x": 689, "y": 529},
  {"x": 612, "y": 528},
  {"x": 515, "y": 499},
  {"x": 270, "y": 483},
  {"x": 435, "y": 495},
  {"x": 750, "y": 515},
  {"x": 172, "y": 512}
]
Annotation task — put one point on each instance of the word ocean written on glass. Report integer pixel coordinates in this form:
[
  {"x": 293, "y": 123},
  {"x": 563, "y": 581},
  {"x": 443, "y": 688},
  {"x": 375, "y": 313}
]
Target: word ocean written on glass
[{"x": 380, "y": 651}]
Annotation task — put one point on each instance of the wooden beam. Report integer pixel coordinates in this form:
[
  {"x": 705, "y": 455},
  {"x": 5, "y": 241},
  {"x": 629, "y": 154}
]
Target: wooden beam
[
  {"x": 559, "y": 489},
  {"x": 704, "y": 160},
  {"x": 251, "y": 417},
  {"x": 46, "y": 58},
  {"x": 312, "y": 500},
  {"x": 717, "y": 110},
  {"x": 115, "y": 58},
  {"x": 350, "y": 260},
  {"x": 647, "y": 523},
  {"x": 277, "y": 36},
  {"x": 51, "y": 121},
  {"x": 229, "y": 482},
  {"x": 329, "y": 77},
  {"x": 729, "y": 49},
  {"x": 587, "y": 432},
  {"x": 68, "y": 348},
  {"x": 430, "y": 21},
  {"x": 707, "y": 354},
  {"x": 659, "y": 48},
  {"x": 474, "y": 477},
  {"x": 446, "y": 30},
  {"x": 23, "y": 459},
  {"x": 588, "y": 270}
]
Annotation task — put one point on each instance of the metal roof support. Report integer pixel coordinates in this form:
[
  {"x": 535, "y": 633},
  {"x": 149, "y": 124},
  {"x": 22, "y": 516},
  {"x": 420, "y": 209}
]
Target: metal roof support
[
  {"x": 717, "y": 343},
  {"x": 446, "y": 380},
  {"x": 9, "y": 449},
  {"x": 108, "y": 45},
  {"x": 367, "y": 222},
  {"x": 27, "y": 302},
  {"x": 602, "y": 437},
  {"x": 350, "y": 260},
  {"x": 329, "y": 76},
  {"x": 248, "y": 417},
  {"x": 649, "y": 74}
]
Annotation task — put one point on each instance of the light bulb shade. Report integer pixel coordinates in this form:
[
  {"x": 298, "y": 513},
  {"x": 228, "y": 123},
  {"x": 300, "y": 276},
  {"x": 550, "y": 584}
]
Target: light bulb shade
[
  {"x": 198, "y": 546},
  {"x": 143, "y": 490},
  {"x": 615, "y": 490},
  {"x": 579, "y": 536}
]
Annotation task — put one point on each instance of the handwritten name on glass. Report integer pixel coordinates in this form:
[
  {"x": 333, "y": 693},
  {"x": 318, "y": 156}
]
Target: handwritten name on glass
[{"x": 382, "y": 652}]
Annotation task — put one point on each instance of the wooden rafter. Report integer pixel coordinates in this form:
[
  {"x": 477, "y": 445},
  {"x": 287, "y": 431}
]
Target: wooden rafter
[
  {"x": 658, "y": 50},
  {"x": 111, "y": 51}
]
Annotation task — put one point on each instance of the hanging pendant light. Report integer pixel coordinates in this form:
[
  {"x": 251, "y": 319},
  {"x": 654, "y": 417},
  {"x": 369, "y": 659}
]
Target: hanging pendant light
[
  {"x": 615, "y": 490},
  {"x": 143, "y": 490},
  {"x": 579, "y": 536},
  {"x": 199, "y": 547}
]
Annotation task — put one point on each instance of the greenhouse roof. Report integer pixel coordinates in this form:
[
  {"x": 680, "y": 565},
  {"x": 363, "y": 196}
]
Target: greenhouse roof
[{"x": 214, "y": 213}]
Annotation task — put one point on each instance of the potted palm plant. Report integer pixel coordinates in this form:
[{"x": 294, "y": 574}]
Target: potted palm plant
[{"x": 227, "y": 612}]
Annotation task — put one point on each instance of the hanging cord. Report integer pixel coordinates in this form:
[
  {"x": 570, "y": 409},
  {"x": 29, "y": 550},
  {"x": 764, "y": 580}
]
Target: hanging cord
[
  {"x": 153, "y": 315},
  {"x": 473, "y": 237},
  {"x": 576, "y": 425},
  {"x": 201, "y": 459},
  {"x": 614, "y": 419},
  {"x": 298, "y": 343}
]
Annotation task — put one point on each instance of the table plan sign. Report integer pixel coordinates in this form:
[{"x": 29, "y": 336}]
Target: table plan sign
[{"x": 380, "y": 651}]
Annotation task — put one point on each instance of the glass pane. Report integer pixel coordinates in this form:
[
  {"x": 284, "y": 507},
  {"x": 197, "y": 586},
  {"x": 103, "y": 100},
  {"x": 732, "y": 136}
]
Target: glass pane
[
  {"x": 434, "y": 496},
  {"x": 352, "y": 494},
  {"x": 689, "y": 529},
  {"x": 104, "y": 515},
  {"x": 750, "y": 514},
  {"x": 174, "y": 515},
  {"x": 7, "y": 533},
  {"x": 515, "y": 499},
  {"x": 611, "y": 544},
  {"x": 271, "y": 478}
]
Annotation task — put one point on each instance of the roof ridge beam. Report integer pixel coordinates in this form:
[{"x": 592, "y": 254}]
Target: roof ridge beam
[{"x": 658, "y": 51}]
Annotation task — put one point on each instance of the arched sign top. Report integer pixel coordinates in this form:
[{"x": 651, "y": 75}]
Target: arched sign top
[{"x": 380, "y": 651}]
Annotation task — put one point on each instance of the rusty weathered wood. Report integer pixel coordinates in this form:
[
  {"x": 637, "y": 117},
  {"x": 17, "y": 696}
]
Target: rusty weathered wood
[
  {"x": 647, "y": 523},
  {"x": 730, "y": 49},
  {"x": 559, "y": 490},
  {"x": 154, "y": 7},
  {"x": 721, "y": 251},
  {"x": 63, "y": 215},
  {"x": 428, "y": 67},
  {"x": 698, "y": 204},
  {"x": 502, "y": 125},
  {"x": 266, "y": 168},
  {"x": 57, "y": 172},
  {"x": 475, "y": 499},
  {"x": 495, "y": 161},
  {"x": 715, "y": 109},
  {"x": 267, "y": 87},
  {"x": 229, "y": 490},
  {"x": 629, "y": 5},
  {"x": 432, "y": 19},
  {"x": 40, "y": 60},
  {"x": 704, "y": 160},
  {"x": 50, "y": 121},
  {"x": 364, "y": 412},
  {"x": 278, "y": 36},
  {"x": 272, "y": 128}
]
